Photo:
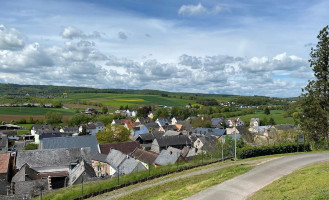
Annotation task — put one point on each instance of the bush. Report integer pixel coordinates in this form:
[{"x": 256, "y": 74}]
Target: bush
[{"x": 248, "y": 152}]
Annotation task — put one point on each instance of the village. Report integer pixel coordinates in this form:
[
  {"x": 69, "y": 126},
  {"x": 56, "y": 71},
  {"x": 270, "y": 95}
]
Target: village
[{"x": 65, "y": 157}]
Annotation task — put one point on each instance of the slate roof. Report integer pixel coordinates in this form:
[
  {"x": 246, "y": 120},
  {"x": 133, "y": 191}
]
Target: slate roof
[
  {"x": 173, "y": 140},
  {"x": 71, "y": 129},
  {"x": 170, "y": 133},
  {"x": 128, "y": 165},
  {"x": 99, "y": 157},
  {"x": 170, "y": 127},
  {"x": 25, "y": 174},
  {"x": 144, "y": 156},
  {"x": 209, "y": 143},
  {"x": 150, "y": 136},
  {"x": 49, "y": 135},
  {"x": 284, "y": 127},
  {"x": 51, "y": 157},
  {"x": 216, "y": 121},
  {"x": 3, "y": 140},
  {"x": 208, "y": 131},
  {"x": 152, "y": 125},
  {"x": 163, "y": 121},
  {"x": 124, "y": 147},
  {"x": 166, "y": 157},
  {"x": 143, "y": 120},
  {"x": 4, "y": 163},
  {"x": 71, "y": 142},
  {"x": 115, "y": 158}
]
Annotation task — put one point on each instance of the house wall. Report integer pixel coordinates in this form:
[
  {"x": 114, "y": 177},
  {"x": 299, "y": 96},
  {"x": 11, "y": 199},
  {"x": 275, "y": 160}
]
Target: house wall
[
  {"x": 36, "y": 139},
  {"x": 103, "y": 169},
  {"x": 155, "y": 146},
  {"x": 30, "y": 187}
]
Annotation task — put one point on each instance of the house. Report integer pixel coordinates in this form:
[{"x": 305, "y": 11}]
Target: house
[
  {"x": 208, "y": 132},
  {"x": 69, "y": 130},
  {"x": 51, "y": 169},
  {"x": 9, "y": 127},
  {"x": 152, "y": 126},
  {"x": 42, "y": 128},
  {"x": 254, "y": 122},
  {"x": 90, "y": 111},
  {"x": 215, "y": 122},
  {"x": 127, "y": 123},
  {"x": 101, "y": 167},
  {"x": 145, "y": 140},
  {"x": 140, "y": 129},
  {"x": 171, "y": 127},
  {"x": 70, "y": 142},
  {"x": 233, "y": 130},
  {"x": 174, "y": 120},
  {"x": 260, "y": 130},
  {"x": 146, "y": 157},
  {"x": 131, "y": 113},
  {"x": 124, "y": 147},
  {"x": 120, "y": 112},
  {"x": 142, "y": 120},
  {"x": 4, "y": 172},
  {"x": 121, "y": 163},
  {"x": 176, "y": 141},
  {"x": 235, "y": 122},
  {"x": 171, "y": 133},
  {"x": 151, "y": 114},
  {"x": 162, "y": 121},
  {"x": 3, "y": 143},
  {"x": 167, "y": 157},
  {"x": 184, "y": 126},
  {"x": 207, "y": 144},
  {"x": 92, "y": 127}
]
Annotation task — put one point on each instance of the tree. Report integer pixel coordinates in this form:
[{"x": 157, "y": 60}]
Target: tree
[
  {"x": 271, "y": 121},
  {"x": 267, "y": 111},
  {"x": 78, "y": 119},
  {"x": 53, "y": 117},
  {"x": 84, "y": 130},
  {"x": 315, "y": 96},
  {"x": 105, "y": 110},
  {"x": 113, "y": 133}
]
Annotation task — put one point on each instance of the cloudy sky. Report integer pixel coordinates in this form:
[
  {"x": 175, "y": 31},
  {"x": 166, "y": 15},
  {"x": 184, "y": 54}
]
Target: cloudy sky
[{"x": 225, "y": 46}]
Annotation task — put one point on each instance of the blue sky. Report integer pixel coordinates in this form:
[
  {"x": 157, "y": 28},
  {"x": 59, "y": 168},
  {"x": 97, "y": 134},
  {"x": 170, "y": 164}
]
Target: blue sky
[{"x": 228, "y": 46}]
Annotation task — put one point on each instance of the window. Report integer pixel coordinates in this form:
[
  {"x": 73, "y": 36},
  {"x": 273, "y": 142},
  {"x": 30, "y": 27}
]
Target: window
[{"x": 98, "y": 168}]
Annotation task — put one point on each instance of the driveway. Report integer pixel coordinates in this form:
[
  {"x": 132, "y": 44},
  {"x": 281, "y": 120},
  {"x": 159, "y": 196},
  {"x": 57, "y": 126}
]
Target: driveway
[{"x": 246, "y": 185}]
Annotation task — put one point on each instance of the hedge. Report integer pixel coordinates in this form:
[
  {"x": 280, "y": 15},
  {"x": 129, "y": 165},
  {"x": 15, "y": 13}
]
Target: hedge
[{"x": 248, "y": 152}]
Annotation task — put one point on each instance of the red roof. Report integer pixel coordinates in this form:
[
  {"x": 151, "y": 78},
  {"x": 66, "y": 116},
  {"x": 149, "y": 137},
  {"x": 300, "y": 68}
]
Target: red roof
[
  {"x": 124, "y": 147},
  {"x": 129, "y": 123},
  {"x": 4, "y": 163}
]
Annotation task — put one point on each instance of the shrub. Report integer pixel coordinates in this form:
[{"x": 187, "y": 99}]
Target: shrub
[{"x": 248, "y": 152}]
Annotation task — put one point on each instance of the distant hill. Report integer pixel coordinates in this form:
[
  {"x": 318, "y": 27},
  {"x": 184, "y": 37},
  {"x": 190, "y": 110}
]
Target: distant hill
[{"x": 16, "y": 89}]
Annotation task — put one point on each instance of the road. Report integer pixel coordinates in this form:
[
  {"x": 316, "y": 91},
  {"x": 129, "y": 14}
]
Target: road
[{"x": 246, "y": 185}]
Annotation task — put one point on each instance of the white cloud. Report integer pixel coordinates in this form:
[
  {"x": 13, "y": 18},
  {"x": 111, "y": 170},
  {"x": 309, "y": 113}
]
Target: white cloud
[
  {"x": 74, "y": 33},
  {"x": 10, "y": 39},
  {"x": 194, "y": 10},
  {"x": 191, "y": 10}
]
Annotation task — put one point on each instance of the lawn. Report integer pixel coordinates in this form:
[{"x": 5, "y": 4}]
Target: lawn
[
  {"x": 33, "y": 111},
  {"x": 277, "y": 115},
  {"x": 307, "y": 183}
]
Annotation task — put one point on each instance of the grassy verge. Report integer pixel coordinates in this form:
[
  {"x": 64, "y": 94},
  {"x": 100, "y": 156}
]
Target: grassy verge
[
  {"x": 310, "y": 182},
  {"x": 186, "y": 187},
  {"x": 75, "y": 191}
]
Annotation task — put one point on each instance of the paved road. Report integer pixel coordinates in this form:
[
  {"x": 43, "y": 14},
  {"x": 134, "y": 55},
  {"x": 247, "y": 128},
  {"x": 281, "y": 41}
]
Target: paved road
[
  {"x": 245, "y": 185},
  {"x": 166, "y": 179}
]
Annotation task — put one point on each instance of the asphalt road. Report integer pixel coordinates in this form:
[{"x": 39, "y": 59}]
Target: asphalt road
[{"x": 245, "y": 185}]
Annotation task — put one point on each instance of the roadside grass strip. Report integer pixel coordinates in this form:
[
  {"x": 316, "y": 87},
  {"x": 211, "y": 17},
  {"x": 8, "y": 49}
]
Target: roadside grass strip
[
  {"x": 310, "y": 182},
  {"x": 185, "y": 187}
]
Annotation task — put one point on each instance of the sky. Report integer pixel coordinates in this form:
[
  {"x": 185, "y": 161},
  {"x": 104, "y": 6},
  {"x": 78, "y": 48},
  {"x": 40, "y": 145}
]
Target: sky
[{"x": 220, "y": 47}]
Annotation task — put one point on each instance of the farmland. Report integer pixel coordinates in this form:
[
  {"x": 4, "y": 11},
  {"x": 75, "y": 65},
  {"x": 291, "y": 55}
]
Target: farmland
[
  {"x": 117, "y": 100},
  {"x": 277, "y": 115}
]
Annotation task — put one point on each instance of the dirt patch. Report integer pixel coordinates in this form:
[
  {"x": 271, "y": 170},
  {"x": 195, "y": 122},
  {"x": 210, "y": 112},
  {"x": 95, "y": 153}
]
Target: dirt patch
[{"x": 8, "y": 118}]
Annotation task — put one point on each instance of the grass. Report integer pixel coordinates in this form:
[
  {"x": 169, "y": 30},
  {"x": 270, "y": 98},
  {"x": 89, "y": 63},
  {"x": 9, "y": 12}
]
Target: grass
[
  {"x": 277, "y": 115},
  {"x": 75, "y": 190},
  {"x": 307, "y": 183},
  {"x": 117, "y": 100},
  {"x": 23, "y": 132},
  {"x": 186, "y": 187},
  {"x": 34, "y": 111}
]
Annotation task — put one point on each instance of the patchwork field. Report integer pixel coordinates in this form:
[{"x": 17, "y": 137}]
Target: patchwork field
[
  {"x": 117, "y": 100},
  {"x": 277, "y": 115},
  {"x": 8, "y": 118}
]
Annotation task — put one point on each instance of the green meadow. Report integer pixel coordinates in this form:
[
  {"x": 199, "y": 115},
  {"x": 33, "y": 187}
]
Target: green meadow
[
  {"x": 33, "y": 111},
  {"x": 277, "y": 115}
]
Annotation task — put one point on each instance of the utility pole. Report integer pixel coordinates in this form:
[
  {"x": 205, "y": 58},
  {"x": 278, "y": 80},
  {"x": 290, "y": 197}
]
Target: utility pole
[
  {"x": 202, "y": 153},
  {"x": 223, "y": 140},
  {"x": 118, "y": 175},
  {"x": 234, "y": 142},
  {"x": 177, "y": 159},
  {"x": 149, "y": 169}
]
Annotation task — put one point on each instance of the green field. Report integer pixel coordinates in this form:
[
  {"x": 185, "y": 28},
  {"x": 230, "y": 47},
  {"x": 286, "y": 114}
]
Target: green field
[
  {"x": 277, "y": 115},
  {"x": 33, "y": 111},
  {"x": 117, "y": 100},
  {"x": 308, "y": 183}
]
